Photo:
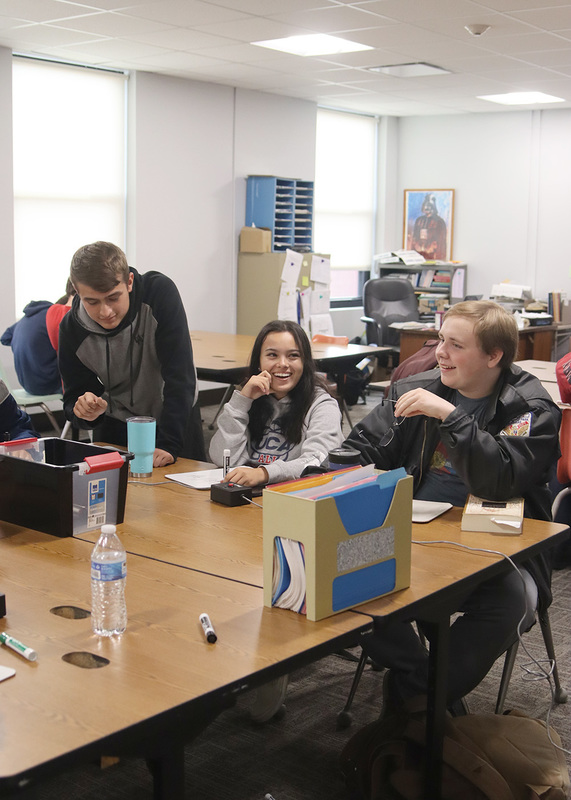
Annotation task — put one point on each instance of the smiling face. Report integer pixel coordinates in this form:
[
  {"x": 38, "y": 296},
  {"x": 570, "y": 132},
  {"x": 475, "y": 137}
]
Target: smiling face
[
  {"x": 108, "y": 309},
  {"x": 463, "y": 364},
  {"x": 282, "y": 358}
]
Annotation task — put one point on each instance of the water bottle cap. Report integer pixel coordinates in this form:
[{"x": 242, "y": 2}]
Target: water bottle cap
[{"x": 108, "y": 529}]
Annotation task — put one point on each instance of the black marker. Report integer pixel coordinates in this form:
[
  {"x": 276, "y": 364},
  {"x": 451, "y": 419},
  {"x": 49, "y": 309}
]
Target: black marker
[{"x": 209, "y": 631}]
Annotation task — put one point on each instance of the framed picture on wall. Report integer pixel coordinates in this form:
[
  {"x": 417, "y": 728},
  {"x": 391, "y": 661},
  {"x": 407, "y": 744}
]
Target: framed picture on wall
[{"x": 428, "y": 220}]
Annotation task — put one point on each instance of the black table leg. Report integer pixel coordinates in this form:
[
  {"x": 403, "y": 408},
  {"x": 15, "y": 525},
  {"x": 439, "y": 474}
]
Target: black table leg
[
  {"x": 438, "y": 634},
  {"x": 168, "y": 775}
]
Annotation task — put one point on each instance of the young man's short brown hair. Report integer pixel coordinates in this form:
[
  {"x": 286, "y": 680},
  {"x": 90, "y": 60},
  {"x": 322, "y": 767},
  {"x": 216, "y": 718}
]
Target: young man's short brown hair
[
  {"x": 494, "y": 327},
  {"x": 100, "y": 265}
]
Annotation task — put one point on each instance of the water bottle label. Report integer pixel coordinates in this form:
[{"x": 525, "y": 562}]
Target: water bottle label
[
  {"x": 97, "y": 502},
  {"x": 111, "y": 571}
]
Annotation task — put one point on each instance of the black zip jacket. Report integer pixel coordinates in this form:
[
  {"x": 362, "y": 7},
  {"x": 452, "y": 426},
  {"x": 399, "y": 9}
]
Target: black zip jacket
[
  {"x": 143, "y": 367},
  {"x": 491, "y": 461}
]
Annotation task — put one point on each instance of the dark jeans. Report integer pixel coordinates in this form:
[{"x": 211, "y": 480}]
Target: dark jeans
[{"x": 484, "y": 630}]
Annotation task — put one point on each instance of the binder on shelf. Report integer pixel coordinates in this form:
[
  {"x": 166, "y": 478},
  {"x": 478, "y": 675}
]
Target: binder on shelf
[{"x": 350, "y": 546}]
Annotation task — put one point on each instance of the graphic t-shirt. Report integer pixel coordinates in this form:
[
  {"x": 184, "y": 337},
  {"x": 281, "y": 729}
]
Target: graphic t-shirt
[{"x": 442, "y": 483}]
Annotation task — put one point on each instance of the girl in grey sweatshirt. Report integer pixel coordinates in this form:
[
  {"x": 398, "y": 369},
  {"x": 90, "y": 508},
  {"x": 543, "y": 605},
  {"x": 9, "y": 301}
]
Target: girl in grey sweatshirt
[{"x": 283, "y": 419}]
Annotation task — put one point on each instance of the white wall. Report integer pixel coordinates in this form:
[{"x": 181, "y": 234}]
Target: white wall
[
  {"x": 181, "y": 188},
  {"x": 6, "y": 206},
  {"x": 192, "y": 146},
  {"x": 509, "y": 172}
]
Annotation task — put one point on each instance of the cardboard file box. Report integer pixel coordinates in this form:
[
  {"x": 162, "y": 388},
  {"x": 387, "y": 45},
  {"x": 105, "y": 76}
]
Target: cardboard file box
[
  {"x": 255, "y": 240},
  {"x": 55, "y": 490},
  {"x": 357, "y": 545}
]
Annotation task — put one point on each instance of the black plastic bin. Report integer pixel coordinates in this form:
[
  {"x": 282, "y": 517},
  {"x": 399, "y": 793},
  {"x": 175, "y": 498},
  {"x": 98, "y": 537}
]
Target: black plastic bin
[{"x": 49, "y": 491}]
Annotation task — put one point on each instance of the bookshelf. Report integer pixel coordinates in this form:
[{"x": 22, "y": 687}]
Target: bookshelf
[{"x": 444, "y": 278}]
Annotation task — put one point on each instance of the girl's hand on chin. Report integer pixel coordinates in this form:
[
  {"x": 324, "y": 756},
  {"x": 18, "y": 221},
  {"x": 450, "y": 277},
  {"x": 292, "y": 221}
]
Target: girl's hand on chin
[{"x": 258, "y": 385}]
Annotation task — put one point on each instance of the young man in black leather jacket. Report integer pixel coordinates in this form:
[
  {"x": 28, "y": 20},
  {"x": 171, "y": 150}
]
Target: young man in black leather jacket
[{"x": 477, "y": 424}]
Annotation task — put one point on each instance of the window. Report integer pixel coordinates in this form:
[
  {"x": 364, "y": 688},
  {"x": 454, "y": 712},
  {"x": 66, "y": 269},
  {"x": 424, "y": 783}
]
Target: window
[
  {"x": 345, "y": 197},
  {"x": 69, "y": 169}
]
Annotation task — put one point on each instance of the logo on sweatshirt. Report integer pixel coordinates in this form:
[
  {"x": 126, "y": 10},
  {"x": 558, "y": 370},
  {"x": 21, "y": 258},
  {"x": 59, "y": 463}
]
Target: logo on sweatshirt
[{"x": 272, "y": 446}]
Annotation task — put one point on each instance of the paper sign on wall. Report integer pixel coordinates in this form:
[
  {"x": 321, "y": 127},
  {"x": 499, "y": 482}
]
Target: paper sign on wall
[
  {"x": 291, "y": 268},
  {"x": 320, "y": 270},
  {"x": 287, "y": 303},
  {"x": 305, "y": 303},
  {"x": 320, "y": 299},
  {"x": 321, "y": 323}
]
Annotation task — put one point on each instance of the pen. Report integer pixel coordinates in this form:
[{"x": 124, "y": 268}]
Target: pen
[
  {"x": 18, "y": 647},
  {"x": 226, "y": 463},
  {"x": 208, "y": 628}
]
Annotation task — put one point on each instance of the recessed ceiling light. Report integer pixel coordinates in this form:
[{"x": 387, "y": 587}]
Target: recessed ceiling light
[
  {"x": 417, "y": 69},
  {"x": 521, "y": 98},
  {"x": 313, "y": 44}
]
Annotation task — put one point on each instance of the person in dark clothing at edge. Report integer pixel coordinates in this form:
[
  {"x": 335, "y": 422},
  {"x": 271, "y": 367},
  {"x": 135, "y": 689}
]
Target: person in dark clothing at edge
[
  {"x": 125, "y": 350},
  {"x": 14, "y": 422},
  {"x": 35, "y": 355},
  {"x": 477, "y": 424}
]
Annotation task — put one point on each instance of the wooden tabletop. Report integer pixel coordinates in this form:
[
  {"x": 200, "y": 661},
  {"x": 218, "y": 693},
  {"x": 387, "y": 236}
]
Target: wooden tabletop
[
  {"x": 225, "y": 356},
  {"x": 162, "y": 664},
  {"x": 180, "y": 525},
  {"x": 436, "y": 567},
  {"x": 545, "y": 372},
  {"x": 183, "y": 526}
]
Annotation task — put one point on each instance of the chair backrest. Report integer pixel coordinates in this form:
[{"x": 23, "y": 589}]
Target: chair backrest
[
  {"x": 388, "y": 300},
  {"x": 564, "y": 463}
]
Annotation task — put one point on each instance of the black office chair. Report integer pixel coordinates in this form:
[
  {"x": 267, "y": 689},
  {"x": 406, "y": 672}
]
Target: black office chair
[
  {"x": 560, "y": 695},
  {"x": 387, "y": 300}
]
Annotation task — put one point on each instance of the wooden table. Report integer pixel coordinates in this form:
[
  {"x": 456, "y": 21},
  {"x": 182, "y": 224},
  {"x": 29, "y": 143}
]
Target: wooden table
[
  {"x": 162, "y": 684},
  {"x": 179, "y": 525},
  {"x": 189, "y": 555},
  {"x": 545, "y": 372},
  {"x": 534, "y": 343},
  {"x": 224, "y": 357}
]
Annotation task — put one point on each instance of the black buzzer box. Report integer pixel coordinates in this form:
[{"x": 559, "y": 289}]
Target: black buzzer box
[{"x": 62, "y": 487}]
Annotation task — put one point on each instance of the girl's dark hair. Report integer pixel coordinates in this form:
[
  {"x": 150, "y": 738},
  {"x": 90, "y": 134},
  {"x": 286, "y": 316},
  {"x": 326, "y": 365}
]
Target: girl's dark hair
[{"x": 301, "y": 397}]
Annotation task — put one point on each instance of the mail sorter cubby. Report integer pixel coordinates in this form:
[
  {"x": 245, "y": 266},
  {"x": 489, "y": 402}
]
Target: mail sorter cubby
[{"x": 357, "y": 544}]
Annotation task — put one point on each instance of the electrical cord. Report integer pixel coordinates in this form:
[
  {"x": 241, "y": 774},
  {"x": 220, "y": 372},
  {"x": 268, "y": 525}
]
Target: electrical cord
[{"x": 531, "y": 674}]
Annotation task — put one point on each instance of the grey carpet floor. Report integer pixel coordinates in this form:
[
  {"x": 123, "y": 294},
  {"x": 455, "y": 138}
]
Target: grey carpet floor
[{"x": 295, "y": 757}]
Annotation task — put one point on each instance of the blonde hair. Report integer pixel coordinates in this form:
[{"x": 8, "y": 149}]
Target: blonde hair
[{"x": 494, "y": 327}]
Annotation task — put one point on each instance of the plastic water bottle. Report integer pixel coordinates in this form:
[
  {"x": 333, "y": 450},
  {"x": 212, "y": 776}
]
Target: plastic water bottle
[{"x": 108, "y": 577}]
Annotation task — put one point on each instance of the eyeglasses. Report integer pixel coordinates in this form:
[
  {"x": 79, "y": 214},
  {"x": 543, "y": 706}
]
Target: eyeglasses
[{"x": 390, "y": 434}]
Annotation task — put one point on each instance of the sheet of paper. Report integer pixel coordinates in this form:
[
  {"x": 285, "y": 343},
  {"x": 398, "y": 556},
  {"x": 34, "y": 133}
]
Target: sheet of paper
[
  {"x": 305, "y": 307},
  {"x": 320, "y": 270},
  {"x": 409, "y": 257},
  {"x": 287, "y": 303},
  {"x": 457, "y": 287},
  {"x": 319, "y": 301},
  {"x": 291, "y": 268},
  {"x": 321, "y": 323},
  {"x": 202, "y": 479}
]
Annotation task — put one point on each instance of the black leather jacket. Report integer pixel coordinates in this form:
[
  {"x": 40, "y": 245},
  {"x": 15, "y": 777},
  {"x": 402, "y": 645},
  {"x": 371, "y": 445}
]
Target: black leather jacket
[{"x": 492, "y": 461}]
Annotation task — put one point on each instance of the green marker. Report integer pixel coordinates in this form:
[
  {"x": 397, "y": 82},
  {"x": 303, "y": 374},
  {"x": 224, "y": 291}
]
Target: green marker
[{"x": 18, "y": 647}]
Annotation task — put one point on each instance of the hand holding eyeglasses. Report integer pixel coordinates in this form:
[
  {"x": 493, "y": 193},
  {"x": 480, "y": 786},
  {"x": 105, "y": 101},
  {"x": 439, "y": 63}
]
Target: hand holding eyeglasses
[{"x": 422, "y": 402}]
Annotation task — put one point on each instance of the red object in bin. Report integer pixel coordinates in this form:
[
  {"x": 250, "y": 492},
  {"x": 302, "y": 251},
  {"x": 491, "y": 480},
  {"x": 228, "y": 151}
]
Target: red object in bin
[
  {"x": 103, "y": 462},
  {"x": 14, "y": 442}
]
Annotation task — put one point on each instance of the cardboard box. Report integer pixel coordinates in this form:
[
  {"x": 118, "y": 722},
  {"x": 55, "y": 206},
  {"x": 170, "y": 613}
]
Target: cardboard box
[
  {"x": 255, "y": 240},
  {"x": 355, "y": 550},
  {"x": 51, "y": 491},
  {"x": 430, "y": 304}
]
